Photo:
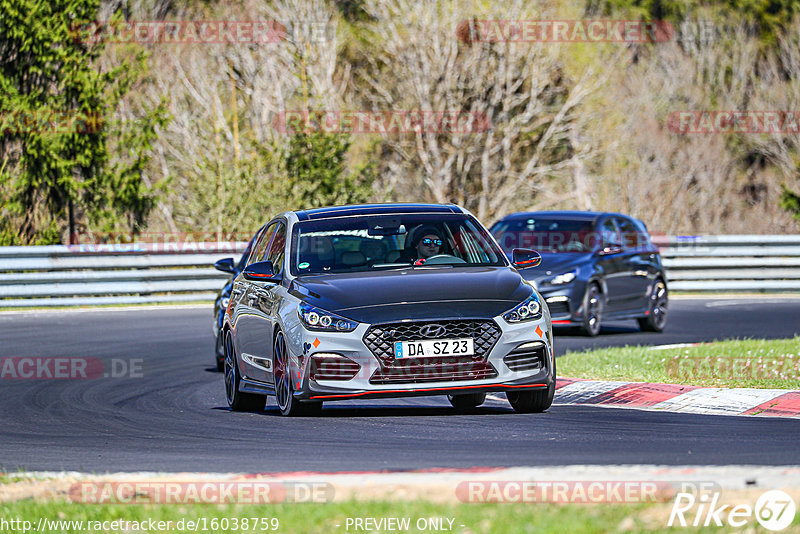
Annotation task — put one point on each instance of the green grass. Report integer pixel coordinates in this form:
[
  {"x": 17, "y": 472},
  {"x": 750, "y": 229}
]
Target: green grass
[{"x": 752, "y": 363}]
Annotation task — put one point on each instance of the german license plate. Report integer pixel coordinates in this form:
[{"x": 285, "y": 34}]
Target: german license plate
[{"x": 434, "y": 347}]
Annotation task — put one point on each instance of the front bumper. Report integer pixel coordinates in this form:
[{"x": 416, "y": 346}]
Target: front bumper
[
  {"x": 533, "y": 336},
  {"x": 564, "y": 302}
]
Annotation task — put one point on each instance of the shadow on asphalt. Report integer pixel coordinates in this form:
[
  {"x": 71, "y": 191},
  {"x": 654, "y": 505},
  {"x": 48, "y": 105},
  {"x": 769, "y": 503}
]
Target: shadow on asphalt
[
  {"x": 350, "y": 412},
  {"x": 606, "y": 330}
]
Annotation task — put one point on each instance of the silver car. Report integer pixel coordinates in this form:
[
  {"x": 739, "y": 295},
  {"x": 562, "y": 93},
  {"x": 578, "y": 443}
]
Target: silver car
[{"x": 389, "y": 300}]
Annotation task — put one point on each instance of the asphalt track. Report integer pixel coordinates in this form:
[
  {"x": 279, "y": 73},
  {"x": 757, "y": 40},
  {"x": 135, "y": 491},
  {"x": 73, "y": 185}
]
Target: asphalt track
[{"x": 174, "y": 417}]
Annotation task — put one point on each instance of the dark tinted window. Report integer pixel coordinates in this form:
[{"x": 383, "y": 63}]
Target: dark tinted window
[
  {"x": 360, "y": 244},
  {"x": 546, "y": 234},
  {"x": 276, "y": 249},
  {"x": 632, "y": 237},
  {"x": 609, "y": 233},
  {"x": 644, "y": 235},
  {"x": 246, "y": 254},
  {"x": 259, "y": 251}
]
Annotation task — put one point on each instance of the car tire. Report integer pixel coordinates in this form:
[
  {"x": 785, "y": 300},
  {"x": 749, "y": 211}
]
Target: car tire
[
  {"x": 531, "y": 401},
  {"x": 656, "y": 320},
  {"x": 237, "y": 400},
  {"x": 219, "y": 353},
  {"x": 535, "y": 401},
  {"x": 467, "y": 401},
  {"x": 592, "y": 310},
  {"x": 288, "y": 404}
]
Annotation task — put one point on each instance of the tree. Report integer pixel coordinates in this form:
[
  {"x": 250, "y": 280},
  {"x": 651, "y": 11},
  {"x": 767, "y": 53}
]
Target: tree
[
  {"x": 59, "y": 170},
  {"x": 790, "y": 201},
  {"x": 317, "y": 172},
  {"x": 526, "y": 106}
]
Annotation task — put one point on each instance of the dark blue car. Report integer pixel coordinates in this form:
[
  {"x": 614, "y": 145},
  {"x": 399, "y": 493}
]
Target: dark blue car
[{"x": 595, "y": 267}]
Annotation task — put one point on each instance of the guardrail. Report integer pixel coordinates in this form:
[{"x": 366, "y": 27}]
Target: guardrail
[
  {"x": 136, "y": 273},
  {"x": 744, "y": 263},
  {"x": 79, "y": 275}
]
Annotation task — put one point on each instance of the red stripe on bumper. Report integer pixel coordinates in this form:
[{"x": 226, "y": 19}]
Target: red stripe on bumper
[{"x": 346, "y": 395}]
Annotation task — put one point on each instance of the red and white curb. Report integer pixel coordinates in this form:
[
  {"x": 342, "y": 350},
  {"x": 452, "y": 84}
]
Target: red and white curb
[{"x": 679, "y": 398}]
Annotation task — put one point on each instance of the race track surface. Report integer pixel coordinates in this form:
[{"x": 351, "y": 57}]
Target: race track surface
[{"x": 172, "y": 416}]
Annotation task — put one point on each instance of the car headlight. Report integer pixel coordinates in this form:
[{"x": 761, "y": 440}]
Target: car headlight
[
  {"x": 563, "y": 278},
  {"x": 528, "y": 310},
  {"x": 320, "y": 320}
]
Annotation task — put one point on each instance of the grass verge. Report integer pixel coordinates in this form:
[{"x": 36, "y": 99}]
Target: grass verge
[{"x": 749, "y": 363}]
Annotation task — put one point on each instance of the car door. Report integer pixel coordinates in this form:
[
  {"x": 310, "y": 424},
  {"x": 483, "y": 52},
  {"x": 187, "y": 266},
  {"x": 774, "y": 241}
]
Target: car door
[
  {"x": 635, "y": 265},
  {"x": 609, "y": 262},
  {"x": 248, "y": 321},
  {"x": 264, "y": 299},
  {"x": 239, "y": 284}
]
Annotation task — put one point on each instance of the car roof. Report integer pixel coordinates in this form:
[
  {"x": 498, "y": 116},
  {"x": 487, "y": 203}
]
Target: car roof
[
  {"x": 564, "y": 214},
  {"x": 374, "y": 209}
]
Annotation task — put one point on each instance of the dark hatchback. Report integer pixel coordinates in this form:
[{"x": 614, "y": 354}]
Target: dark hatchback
[{"x": 595, "y": 267}]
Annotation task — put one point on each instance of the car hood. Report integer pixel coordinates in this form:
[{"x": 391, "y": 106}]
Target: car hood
[
  {"x": 554, "y": 264},
  {"x": 417, "y": 294}
]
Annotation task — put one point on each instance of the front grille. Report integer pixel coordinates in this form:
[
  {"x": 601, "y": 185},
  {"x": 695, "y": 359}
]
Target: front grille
[
  {"x": 333, "y": 367},
  {"x": 558, "y": 308},
  {"x": 380, "y": 340},
  {"x": 530, "y": 358}
]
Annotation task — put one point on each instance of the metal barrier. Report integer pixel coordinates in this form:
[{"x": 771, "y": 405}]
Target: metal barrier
[
  {"x": 81, "y": 275},
  {"x": 742, "y": 263},
  {"x": 88, "y": 275}
]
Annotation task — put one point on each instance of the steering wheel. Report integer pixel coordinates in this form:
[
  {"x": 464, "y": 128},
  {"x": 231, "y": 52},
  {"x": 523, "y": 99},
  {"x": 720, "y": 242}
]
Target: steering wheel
[{"x": 439, "y": 259}]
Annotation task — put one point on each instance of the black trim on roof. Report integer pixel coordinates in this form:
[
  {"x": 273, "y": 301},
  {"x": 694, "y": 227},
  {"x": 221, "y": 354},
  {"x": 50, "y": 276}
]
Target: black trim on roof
[
  {"x": 573, "y": 215},
  {"x": 374, "y": 209}
]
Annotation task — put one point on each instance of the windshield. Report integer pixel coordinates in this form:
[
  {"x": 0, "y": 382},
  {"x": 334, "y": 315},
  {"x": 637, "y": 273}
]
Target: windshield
[
  {"x": 546, "y": 235},
  {"x": 387, "y": 242}
]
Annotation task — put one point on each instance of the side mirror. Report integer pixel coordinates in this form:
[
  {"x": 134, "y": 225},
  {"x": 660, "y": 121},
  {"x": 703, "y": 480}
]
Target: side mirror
[
  {"x": 522, "y": 258},
  {"x": 610, "y": 248},
  {"x": 261, "y": 271},
  {"x": 225, "y": 265}
]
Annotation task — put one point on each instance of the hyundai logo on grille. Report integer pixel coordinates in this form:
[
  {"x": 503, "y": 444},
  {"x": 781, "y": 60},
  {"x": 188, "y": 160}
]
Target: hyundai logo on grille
[{"x": 432, "y": 330}]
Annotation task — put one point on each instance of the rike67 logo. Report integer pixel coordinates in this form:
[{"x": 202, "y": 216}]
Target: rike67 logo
[{"x": 774, "y": 510}]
